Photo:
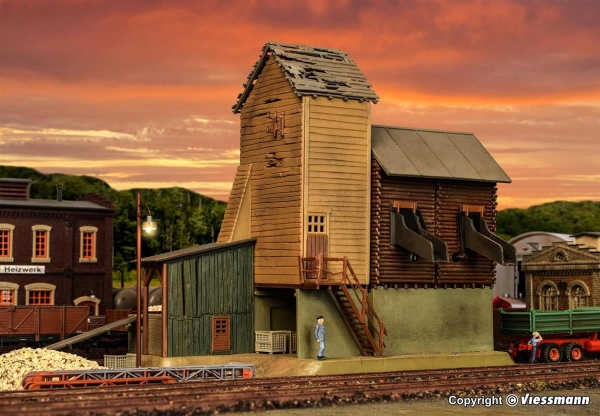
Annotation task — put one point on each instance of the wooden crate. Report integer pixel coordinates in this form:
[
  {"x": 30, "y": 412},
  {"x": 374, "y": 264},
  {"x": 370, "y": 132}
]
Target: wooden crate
[
  {"x": 120, "y": 361},
  {"x": 270, "y": 341},
  {"x": 291, "y": 341}
]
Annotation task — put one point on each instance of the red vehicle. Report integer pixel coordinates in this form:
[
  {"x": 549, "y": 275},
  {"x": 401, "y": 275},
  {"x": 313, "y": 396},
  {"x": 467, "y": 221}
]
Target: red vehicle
[{"x": 567, "y": 335}]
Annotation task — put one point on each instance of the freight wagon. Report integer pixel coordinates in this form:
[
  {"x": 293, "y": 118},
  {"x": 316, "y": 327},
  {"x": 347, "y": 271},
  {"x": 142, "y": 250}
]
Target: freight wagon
[
  {"x": 567, "y": 335},
  {"x": 42, "y": 323}
]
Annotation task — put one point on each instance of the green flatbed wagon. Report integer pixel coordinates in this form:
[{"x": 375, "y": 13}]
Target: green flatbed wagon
[{"x": 567, "y": 335}]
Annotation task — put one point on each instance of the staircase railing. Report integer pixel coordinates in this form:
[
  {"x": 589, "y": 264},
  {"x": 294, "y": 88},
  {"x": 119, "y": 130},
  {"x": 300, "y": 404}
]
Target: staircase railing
[{"x": 318, "y": 276}]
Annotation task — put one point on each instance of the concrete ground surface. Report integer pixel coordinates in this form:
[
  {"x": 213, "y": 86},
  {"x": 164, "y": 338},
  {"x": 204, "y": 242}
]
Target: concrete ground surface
[{"x": 281, "y": 365}]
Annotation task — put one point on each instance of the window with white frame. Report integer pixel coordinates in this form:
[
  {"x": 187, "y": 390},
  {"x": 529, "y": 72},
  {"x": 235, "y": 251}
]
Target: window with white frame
[
  {"x": 6, "y": 243},
  {"x": 39, "y": 294},
  {"x": 41, "y": 244},
  {"x": 87, "y": 245},
  {"x": 316, "y": 224},
  {"x": 8, "y": 293}
]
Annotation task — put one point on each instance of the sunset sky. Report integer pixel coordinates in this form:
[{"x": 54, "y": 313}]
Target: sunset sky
[{"x": 139, "y": 93}]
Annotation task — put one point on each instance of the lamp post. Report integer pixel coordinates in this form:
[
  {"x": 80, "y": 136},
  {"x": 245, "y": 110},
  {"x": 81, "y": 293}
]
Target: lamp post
[{"x": 148, "y": 226}]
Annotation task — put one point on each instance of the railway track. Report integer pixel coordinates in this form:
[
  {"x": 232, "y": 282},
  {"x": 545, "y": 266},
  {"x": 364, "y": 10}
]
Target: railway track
[{"x": 240, "y": 395}]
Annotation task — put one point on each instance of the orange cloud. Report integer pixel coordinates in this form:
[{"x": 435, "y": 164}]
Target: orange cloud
[{"x": 109, "y": 86}]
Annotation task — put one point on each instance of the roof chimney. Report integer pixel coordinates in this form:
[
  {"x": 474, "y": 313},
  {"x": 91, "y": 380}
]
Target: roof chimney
[
  {"x": 14, "y": 188},
  {"x": 59, "y": 192}
]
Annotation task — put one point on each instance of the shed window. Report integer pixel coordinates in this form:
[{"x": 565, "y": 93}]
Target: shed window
[
  {"x": 316, "y": 224},
  {"x": 221, "y": 333}
]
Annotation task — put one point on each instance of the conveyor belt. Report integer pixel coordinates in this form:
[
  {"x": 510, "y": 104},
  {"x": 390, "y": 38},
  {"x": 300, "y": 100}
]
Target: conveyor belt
[
  {"x": 92, "y": 333},
  {"x": 144, "y": 375}
]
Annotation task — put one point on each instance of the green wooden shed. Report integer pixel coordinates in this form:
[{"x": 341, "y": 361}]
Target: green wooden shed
[{"x": 207, "y": 301}]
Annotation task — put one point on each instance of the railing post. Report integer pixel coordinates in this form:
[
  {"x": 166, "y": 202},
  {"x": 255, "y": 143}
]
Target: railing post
[
  {"x": 300, "y": 269},
  {"x": 320, "y": 268}
]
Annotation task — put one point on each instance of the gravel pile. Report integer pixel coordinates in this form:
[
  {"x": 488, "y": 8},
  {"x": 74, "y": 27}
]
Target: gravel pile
[{"x": 15, "y": 364}]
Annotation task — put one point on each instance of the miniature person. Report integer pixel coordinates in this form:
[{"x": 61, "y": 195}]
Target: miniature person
[
  {"x": 320, "y": 332},
  {"x": 534, "y": 341}
]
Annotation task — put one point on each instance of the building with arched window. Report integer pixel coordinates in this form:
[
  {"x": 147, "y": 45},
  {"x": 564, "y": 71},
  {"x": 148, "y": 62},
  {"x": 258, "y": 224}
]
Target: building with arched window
[{"x": 562, "y": 276}]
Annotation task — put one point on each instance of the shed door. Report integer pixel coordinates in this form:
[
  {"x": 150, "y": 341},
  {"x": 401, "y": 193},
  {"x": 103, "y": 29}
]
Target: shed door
[{"x": 221, "y": 333}]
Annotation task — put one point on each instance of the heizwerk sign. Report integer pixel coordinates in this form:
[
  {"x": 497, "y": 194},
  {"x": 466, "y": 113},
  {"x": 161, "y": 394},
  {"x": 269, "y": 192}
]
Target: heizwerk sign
[{"x": 23, "y": 269}]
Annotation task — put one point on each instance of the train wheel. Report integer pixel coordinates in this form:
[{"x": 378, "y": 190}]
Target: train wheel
[
  {"x": 551, "y": 353},
  {"x": 574, "y": 352}
]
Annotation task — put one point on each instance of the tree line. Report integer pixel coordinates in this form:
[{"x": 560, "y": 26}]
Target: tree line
[
  {"x": 185, "y": 218},
  {"x": 555, "y": 217}
]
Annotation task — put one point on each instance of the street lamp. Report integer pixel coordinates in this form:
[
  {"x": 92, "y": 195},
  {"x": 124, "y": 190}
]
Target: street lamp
[{"x": 148, "y": 226}]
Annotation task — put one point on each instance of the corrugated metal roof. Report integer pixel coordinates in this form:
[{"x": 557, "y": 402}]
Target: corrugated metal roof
[
  {"x": 313, "y": 71},
  {"x": 194, "y": 250},
  {"x": 52, "y": 204},
  {"x": 434, "y": 154}
]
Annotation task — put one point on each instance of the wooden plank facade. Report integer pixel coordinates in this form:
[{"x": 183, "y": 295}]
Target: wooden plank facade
[
  {"x": 336, "y": 176},
  {"x": 275, "y": 179},
  {"x": 209, "y": 292},
  {"x": 310, "y": 161}
]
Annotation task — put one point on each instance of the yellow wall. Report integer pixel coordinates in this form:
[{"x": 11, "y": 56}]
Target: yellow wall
[
  {"x": 276, "y": 191},
  {"x": 337, "y": 156}
]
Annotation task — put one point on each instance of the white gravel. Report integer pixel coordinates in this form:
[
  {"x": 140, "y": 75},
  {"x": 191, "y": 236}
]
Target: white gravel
[{"x": 16, "y": 364}]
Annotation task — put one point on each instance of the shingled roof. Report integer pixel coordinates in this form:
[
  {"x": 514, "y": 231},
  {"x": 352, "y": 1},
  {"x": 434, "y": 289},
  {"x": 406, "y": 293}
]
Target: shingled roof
[
  {"x": 313, "y": 71},
  {"x": 434, "y": 154}
]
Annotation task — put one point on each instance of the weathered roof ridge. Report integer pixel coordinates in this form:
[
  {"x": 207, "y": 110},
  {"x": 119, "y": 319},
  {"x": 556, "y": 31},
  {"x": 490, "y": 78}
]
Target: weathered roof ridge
[
  {"x": 313, "y": 71},
  {"x": 439, "y": 154}
]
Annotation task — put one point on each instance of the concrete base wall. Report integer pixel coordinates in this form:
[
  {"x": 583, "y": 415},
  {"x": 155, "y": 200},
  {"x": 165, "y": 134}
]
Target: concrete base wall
[
  {"x": 265, "y": 305},
  {"x": 339, "y": 343},
  {"x": 435, "y": 321}
]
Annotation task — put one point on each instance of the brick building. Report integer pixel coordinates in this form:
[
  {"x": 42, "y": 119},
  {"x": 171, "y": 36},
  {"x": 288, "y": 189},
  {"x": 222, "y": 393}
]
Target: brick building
[
  {"x": 54, "y": 252},
  {"x": 564, "y": 276}
]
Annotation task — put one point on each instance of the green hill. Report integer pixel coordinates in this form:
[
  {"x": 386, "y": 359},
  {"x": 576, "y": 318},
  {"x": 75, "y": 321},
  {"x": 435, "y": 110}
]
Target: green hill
[
  {"x": 556, "y": 217},
  {"x": 187, "y": 218},
  {"x": 184, "y": 217}
]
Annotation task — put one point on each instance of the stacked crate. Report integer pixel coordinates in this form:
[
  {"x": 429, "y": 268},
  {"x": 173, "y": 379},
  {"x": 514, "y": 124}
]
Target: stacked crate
[
  {"x": 276, "y": 341},
  {"x": 120, "y": 361},
  {"x": 270, "y": 341}
]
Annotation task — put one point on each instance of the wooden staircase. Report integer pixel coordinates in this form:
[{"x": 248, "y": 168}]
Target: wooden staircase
[{"x": 352, "y": 299}]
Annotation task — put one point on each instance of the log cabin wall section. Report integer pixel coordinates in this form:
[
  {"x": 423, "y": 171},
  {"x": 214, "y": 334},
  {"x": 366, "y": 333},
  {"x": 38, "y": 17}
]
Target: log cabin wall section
[
  {"x": 439, "y": 203},
  {"x": 440, "y": 174}
]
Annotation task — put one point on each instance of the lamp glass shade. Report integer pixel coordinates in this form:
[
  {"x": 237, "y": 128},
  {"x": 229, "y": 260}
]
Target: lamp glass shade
[{"x": 149, "y": 225}]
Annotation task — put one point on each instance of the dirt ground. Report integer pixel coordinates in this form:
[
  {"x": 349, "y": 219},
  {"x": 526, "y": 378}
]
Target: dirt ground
[
  {"x": 282, "y": 365},
  {"x": 442, "y": 407}
]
